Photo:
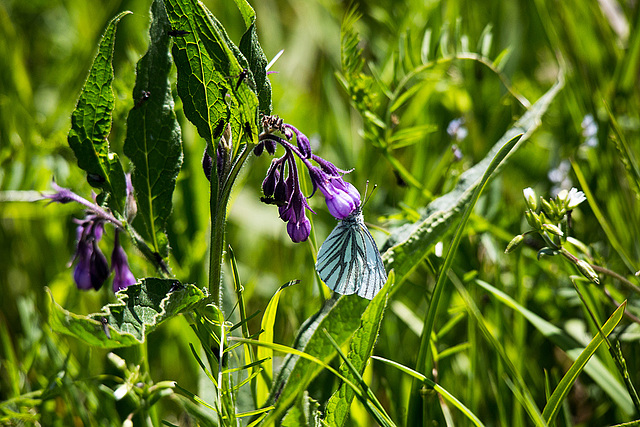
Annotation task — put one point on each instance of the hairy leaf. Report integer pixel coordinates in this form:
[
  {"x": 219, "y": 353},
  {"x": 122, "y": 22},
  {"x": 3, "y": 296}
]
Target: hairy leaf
[
  {"x": 209, "y": 66},
  {"x": 409, "y": 244},
  {"x": 91, "y": 124},
  {"x": 139, "y": 310},
  {"x": 154, "y": 141}
]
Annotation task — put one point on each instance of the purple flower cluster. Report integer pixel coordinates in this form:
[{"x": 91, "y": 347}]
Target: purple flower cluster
[
  {"x": 92, "y": 268},
  {"x": 282, "y": 185}
]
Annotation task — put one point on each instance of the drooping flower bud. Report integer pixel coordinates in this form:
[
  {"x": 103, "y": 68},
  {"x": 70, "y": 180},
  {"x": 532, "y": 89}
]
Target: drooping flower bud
[
  {"x": 120, "y": 265},
  {"x": 514, "y": 243},
  {"x": 531, "y": 198},
  {"x": 587, "y": 271}
]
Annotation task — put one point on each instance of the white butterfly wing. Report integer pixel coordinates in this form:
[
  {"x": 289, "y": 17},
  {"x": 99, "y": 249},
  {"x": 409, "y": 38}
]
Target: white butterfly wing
[{"x": 349, "y": 261}]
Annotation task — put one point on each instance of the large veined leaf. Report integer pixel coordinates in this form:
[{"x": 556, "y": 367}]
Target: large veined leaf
[
  {"x": 154, "y": 142},
  {"x": 91, "y": 124},
  {"x": 209, "y": 68},
  {"x": 139, "y": 310},
  {"x": 409, "y": 244},
  {"x": 362, "y": 344}
]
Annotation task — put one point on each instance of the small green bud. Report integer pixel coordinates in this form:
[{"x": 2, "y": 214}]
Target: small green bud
[
  {"x": 514, "y": 243},
  {"x": 553, "y": 229},
  {"x": 530, "y": 198},
  {"x": 547, "y": 207},
  {"x": 533, "y": 219},
  {"x": 117, "y": 361},
  {"x": 587, "y": 271}
]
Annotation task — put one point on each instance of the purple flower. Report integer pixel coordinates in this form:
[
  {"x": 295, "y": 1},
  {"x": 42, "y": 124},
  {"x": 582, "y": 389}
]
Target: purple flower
[
  {"x": 281, "y": 186},
  {"x": 342, "y": 198},
  {"x": 119, "y": 264},
  {"x": 92, "y": 268}
]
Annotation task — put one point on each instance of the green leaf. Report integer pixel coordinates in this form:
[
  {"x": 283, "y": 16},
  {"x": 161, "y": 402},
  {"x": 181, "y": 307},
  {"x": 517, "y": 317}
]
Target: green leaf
[
  {"x": 554, "y": 402},
  {"x": 340, "y": 317},
  {"x": 91, "y": 124},
  {"x": 251, "y": 49},
  {"x": 154, "y": 141},
  {"x": 304, "y": 413},
  {"x": 268, "y": 320},
  {"x": 209, "y": 66},
  {"x": 410, "y": 243},
  {"x": 362, "y": 344},
  {"x": 595, "y": 368},
  {"x": 139, "y": 310}
]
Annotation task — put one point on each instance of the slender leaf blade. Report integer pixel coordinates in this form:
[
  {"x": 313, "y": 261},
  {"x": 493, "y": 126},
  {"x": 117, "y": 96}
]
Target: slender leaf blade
[
  {"x": 555, "y": 401},
  {"x": 154, "y": 141},
  {"x": 595, "y": 368},
  {"x": 91, "y": 124}
]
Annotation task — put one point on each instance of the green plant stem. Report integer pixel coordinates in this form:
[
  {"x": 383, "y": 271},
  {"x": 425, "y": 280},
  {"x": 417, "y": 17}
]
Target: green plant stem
[
  {"x": 220, "y": 192},
  {"x": 626, "y": 283}
]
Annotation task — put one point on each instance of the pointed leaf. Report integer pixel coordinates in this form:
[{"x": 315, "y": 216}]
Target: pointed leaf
[
  {"x": 362, "y": 344},
  {"x": 410, "y": 243},
  {"x": 154, "y": 141},
  {"x": 268, "y": 320},
  {"x": 91, "y": 124},
  {"x": 139, "y": 310}
]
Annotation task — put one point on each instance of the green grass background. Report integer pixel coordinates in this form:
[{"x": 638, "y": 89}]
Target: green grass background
[{"x": 46, "y": 48}]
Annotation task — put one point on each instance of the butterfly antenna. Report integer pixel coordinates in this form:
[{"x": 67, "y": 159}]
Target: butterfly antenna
[{"x": 367, "y": 194}]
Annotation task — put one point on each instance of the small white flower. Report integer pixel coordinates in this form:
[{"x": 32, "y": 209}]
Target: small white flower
[
  {"x": 574, "y": 198},
  {"x": 531, "y": 198}
]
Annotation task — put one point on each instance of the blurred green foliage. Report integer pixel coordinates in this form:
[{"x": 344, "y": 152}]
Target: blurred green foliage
[{"x": 47, "y": 47}]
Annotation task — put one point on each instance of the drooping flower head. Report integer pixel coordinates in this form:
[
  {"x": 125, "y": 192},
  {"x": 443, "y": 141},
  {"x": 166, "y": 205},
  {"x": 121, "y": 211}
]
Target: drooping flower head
[
  {"x": 92, "y": 268},
  {"x": 281, "y": 186}
]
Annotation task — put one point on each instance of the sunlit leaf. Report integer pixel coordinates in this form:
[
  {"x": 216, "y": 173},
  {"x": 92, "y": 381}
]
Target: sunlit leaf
[
  {"x": 139, "y": 310},
  {"x": 91, "y": 124}
]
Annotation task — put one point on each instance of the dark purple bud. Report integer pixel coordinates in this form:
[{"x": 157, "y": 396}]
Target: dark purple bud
[
  {"x": 119, "y": 264},
  {"x": 131, "y": 207},
  {"x": 99, "y": 270},
  {"x": 82, "y": 271},
  {"x": 258, "y": 149},
  {"x": 270, "y": 145},
  {"x": 280, "y": 192},
  {"x": 299, "y": 231},
  {"x": 303, "y": 142},
  {"x": 269, "y": 183},
  {"x": 207, "y": 164}
]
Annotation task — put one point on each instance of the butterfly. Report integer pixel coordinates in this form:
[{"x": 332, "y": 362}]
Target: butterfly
[{"x": 349, "y": 261}]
